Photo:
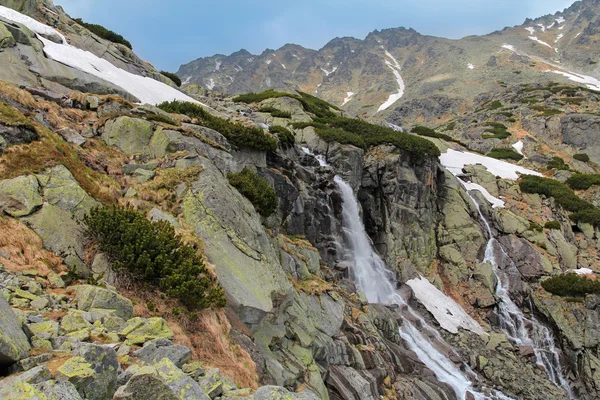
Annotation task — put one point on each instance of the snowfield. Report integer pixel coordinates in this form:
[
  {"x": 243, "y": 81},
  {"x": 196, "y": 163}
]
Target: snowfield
[
  {"x": 446, "y": 311},
  {"x": 395, "y": 67},
  {"x": 455, "y": 161},
  {"x": 147, "y": 90},
  {"x": 590, "y": 82},
  {"x": 535, "y": 39}
]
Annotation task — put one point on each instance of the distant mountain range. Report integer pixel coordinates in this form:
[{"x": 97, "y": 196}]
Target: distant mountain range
[{"x": 402, "y": 75}]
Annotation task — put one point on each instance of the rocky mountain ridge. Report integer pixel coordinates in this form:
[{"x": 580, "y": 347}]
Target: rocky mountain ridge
[{"x": 361, "y": 75}]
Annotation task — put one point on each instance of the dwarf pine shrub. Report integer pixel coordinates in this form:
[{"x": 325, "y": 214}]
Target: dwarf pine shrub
[
  {"x": 151, "y": 252},
  {"x": 255, "y": 189},
  {"x": 571, "y": 285}
]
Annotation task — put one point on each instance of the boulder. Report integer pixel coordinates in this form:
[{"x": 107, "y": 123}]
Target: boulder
[
  {"x": 277, "y": 392},
  {"x": 62, "y": 190},
  {"x": 72, "y": 136},
  {"x": 510, "y": 223},
  {"x": 102, "y": 362},
  {"x": 140, "y": 330},
  {"x": 131, "y": 135},
  {"x": 246, "y": 261},
  {"x": 158, "y": 215},
  {"x": 6, "y": 38},
  {"x": 20, "y": 196},
  {"x": 22, "y": 382},
  {"x": 530, "y": 262},
  {"x": 163, "y": 381},
  {"x": 14, "y": 345},
  {"x": 92, "y": 297},
  {"x": 59, "y": 390},
  {"x": 61, "y": 234},
  {"x": 157, "y": 349},
  {"x": 214, "y": 385},
  {"x": 148, "y": 109}
]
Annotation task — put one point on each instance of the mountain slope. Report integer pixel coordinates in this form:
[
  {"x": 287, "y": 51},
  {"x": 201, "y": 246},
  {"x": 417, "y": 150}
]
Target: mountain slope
[{"x": 452, "y": 70}]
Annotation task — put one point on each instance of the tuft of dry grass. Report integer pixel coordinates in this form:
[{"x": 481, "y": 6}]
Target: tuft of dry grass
[
  {"x": 206, "y": 332},
  {"x": 162, "y": 189},
  {"x": 25, "y": 249}
]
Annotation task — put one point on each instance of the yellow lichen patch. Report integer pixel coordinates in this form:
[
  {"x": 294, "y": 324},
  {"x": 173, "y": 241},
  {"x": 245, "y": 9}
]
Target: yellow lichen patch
[
  {"x": 25, "y": 249},
  {"x": 51, "y": 150}
]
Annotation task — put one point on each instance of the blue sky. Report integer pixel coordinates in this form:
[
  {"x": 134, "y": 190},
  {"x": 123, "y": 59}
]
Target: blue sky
[{"x": 170, "y": 33}]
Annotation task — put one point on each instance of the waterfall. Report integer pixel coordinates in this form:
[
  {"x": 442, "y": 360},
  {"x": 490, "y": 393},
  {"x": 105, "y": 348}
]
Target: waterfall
[
  {"x": 514, "y": 323},
  {"x": 374, "y": 279}
]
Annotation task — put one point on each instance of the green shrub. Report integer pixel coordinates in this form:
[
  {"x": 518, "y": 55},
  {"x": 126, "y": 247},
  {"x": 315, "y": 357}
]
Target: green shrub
[
  {"x": 238, "y": 135},
  {"x": 428, "y": 132},
  {"x": 286, "y": 137},
  {"x": 176, "y": 80},
  {"x": 507, "y": 114},
  {"x": 494, "y": 105},
  {"x": 583, "y": 181},
  {"x": 255, "y": 189},
  {"x": 534, "y": 226},
  {"x": 588, "y": 216},
  {"x": 151, "y": 252},
  {"x": 558, "y": 163},
  {"x": 582, "y": 157},
  {"x": 275, "y": 112},
  {"x": 451, "y": 126},
  {"x": 340, "y": 136},
  {"x": 504, "y": 154},
  {"x": 497, "y": 130},
  {"x": 562, "y": 194},
  {"x": 553, "y": 225},
  {"x": 249, "y": 98},
  {"x": 310, "y": 103},
  {"x": 512, "y": 120},
  {"x": 571, "y": 285},
  {"x": 545, "y": 111},
  {"x": 104, "y": 33}
]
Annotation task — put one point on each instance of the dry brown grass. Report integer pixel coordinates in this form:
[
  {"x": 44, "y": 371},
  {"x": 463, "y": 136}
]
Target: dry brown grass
[
  {"x": 25, "y": 249},
  {"x": 205, "y": 332},
  {"x": 51, "y": 150}
]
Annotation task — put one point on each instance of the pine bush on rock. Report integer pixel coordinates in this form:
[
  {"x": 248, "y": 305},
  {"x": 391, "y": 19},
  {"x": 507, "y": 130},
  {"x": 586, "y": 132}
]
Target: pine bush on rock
[
  {"x": 151, "y": 252},
  {"x": 571, "y": 285},
  {"x": 255, "y": 189}
]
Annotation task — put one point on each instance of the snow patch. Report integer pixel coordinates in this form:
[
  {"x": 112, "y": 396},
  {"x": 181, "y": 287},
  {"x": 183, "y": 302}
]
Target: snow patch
[
  {"x": 446, "y": 311},
  {"x": 560, "y": 28},
  {"x": 395, "y": 67},
  {"x": 348, "y": 98},
  {"x": 211, "y": 84},
  {"x": 583, "y": 271},
  {"x": 187, "y": 80},
  {"x": 509, "y": 47},
  {"x": 494, "y": 201},
  {"x": 535, "y": 39},
  {"x": 218, "y": 65},
  {"x": 327, "y": 73},
  {"x": 559, "y": 37},
  {"x": 269, "y": 62},
  {"x": 531, "y": 30},
  {"x": 519, "y": 147},
  {"x": 147, "y": 90},
  {"x": 470, "y": 66},
  {"x": 560, "y": 20},
  {"x": 542, "y": 27},
  {"x": 283, "y": 65},
  {"x": 591, "y": 83},
  {"x": 395, "y": 127},
  {"x": 551, "y": 25},
  {"x": 576, "y": 36},
  {"x": 455, "y": 161}
]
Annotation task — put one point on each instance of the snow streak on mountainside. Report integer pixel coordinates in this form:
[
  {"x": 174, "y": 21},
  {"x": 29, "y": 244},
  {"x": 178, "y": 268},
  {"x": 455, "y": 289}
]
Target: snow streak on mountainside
[
  {"x": 395, "y": 67},
  {"x": 147, "y": 90}
]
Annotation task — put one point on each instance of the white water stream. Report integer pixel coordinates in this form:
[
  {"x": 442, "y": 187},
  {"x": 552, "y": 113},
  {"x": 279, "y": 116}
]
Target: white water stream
[
  {"x": 373, "y": 278},
  {"x": 521, "y": 330}
]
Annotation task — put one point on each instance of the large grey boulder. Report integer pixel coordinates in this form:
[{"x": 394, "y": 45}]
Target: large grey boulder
[
  {"x": 246, "y": 261},
  {"x": 20, "y": 196},
  {"x": 583, "y": 132},
  {"x": 58, "y": 390},
  {"x": 62, "y": 190},
  {"x": 158, "y": 349},
  {"x": 93, "y": 297},
  {"x": 20, "y": 386},
  {"x": 131, "y": 135},
  {"x": 161, "y": 381},
  {"x": 14, "y": 345}
]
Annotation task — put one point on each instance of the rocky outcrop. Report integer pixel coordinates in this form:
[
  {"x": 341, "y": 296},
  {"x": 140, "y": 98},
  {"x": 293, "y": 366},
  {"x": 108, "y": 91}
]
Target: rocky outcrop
[
  {"x": 583, "y": 132},
  {"x": 14, "y": 344}
]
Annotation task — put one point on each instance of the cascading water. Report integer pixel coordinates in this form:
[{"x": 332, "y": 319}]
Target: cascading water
[
  {"x": 372, "y": 277},
  {"x": 515, "y": 324}
]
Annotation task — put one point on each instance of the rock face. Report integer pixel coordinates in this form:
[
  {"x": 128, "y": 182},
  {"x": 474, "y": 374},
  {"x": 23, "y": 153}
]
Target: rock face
[
  {"x": 14, "y": 344},
  {"x": 583, "y": 132}
]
